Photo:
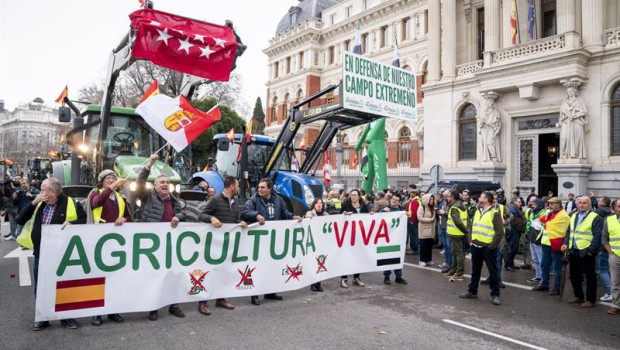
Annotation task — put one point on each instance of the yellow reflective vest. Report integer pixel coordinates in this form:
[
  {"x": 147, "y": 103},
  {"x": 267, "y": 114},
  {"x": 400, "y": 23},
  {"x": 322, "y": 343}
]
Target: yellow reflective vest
[
  {"x": 25, "y": 237},
  {"x": 613, "y": 227},
  {"x": 583, "y": 233},
  {"x": 482, "y": 228},
  {"x": 121, "y": 208},
  {"x": 453, "y": 230},
  {"x": 555, "y": 228}
]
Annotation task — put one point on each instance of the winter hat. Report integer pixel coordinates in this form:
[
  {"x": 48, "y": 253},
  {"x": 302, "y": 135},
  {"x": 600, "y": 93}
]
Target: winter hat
[{"x": 104, "y": 174}]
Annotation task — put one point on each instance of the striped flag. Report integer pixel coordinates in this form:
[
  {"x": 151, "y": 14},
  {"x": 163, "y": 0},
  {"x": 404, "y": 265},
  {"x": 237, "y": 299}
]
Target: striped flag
[
  {"x": 63, "y": 94},
  {"x": 531, "y": 18},
  {"x": 357, "y": 44},
  {"x": 231, "y": 135},
  {"x": 80, "y": 294},
  {"x": 248, "y": 131},
  {"x": 151, "y": 91},
  {"x": 514, "y": 24}
]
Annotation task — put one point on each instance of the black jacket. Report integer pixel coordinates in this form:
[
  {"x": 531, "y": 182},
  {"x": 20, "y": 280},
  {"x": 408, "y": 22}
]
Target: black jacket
[
  {"x": 153, "y": 206},
  {"x": 58, "y": 218},
  {"x": 348, "y": 206},
  {"x": 257, "y": 205},
  {"x": 219, "y": 208}
]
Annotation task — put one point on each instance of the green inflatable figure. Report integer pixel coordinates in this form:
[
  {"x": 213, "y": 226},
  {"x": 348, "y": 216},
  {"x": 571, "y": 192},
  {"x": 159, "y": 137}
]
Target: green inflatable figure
[{"x": 376, "y": 167}]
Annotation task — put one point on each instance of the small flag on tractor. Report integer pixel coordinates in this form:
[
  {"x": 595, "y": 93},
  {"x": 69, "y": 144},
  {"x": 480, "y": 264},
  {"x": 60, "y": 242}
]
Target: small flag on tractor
[{"x": 63, "y": 94}]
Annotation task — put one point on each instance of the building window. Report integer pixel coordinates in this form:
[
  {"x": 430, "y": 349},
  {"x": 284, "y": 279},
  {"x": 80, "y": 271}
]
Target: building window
[
  {"x": 615, "y": 121},
  {"x": 301, "y": 60},
  {"x": 480, "y": 32},
  {"x": 365, "y": 43},
  {"x": 288, "y": 65},
  {"x": 366, "y": 4},
  {"x": 330, "y": 55},
  {"x": 467, "y": 132},
  {"x": 406, "y": 28},
  {"x": 347, "y": 45},
  {"x": 274, "y": 110},
  {"x": 404, "y": 145},
  {"x": 425, "y": 21},
  {"x": 298, "y": 96},
  {"x": 548, "y": 18},
  {"x": 349, "y": 11},
  {"x": 384, "y": 36},
  {"x": 332, "y": 18},
  {"x": 276, "y": 69}
]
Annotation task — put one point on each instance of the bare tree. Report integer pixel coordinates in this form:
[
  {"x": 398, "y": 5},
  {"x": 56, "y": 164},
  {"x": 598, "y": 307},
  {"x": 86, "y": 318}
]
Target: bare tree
[{"x": 227, "y": 93}]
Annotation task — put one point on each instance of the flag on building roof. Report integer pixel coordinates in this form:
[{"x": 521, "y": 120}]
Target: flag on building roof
[
  {"x": 357, "y": 44},
  {"x": 248, "y": 130},
  {"x": 514, "y": 23},
  {"x": 176, "y": 120},
  {"x": 355, "y": 159},
  {"x": 327, "y": 169},
  {"x": 151, "y": 91},
  {"x": 63, "y": 94},
  {"x": 531, "y": 18},
  {"x": 182, "y": 44},
  {"x": 231, "y": 135}
]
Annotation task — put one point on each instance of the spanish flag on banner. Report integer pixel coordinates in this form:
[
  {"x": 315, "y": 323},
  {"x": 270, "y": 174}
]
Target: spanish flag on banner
[
  {"x": 63, "y": 94},
  {"x": 80, "y": 294}
]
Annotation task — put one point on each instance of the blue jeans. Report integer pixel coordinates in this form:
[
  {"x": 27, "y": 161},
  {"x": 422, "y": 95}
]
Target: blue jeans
[
  {"x": 603, "y": 271},
  {"x": 445, "y": 240},
  {"x": 397, "y": 272},
  {"x": 551, "y": 259},
  {"x": 537, "y": 258},
  {"x": 12, "y": 224},
  {"x": 499, "y": 261},
  {"x": 412, "y": 231}
]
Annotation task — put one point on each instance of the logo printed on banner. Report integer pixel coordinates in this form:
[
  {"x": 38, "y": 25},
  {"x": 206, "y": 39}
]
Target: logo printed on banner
[
  {"x": 196, "y": 278},
  {"x": 293, "y": 273},
  {"x": 246, "y": 281},
  {"x": 320, "y": 261},
  {"x": 80, "y": 294}
]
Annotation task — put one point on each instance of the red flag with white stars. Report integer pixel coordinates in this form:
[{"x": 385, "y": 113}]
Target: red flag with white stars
[{"x": 186, "y": 45}]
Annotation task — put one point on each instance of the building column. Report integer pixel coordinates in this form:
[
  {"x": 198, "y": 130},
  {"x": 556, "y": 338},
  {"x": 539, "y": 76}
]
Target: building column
[
  {"x": 566, "y": 15},
  {"x": 492, "y": 27},
  {"x": 592, "y": 24},
  {"x": 449, "y": 43},
  {"x": 434, "y": 40},
  {"x": 506, "y": 27}
]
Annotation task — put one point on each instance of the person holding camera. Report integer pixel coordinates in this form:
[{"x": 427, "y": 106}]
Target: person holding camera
[{"x": 25, "y": 194}]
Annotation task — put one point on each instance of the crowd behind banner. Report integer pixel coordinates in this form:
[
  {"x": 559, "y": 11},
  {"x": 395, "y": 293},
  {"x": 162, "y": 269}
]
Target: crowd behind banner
[{"x": 490, "y": 229}]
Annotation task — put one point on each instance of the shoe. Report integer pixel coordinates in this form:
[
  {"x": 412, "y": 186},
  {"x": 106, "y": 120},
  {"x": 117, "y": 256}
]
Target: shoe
[
  {"x": 485, "y": 282},
  {"x": 116, "y": 318},
  {"x": 511, "y": 268},
  {"x": 343, "y": 283},
  {"x": 319, "y": 288},
  {"x": 534, "y": 280},
  {"x": 409, "y": 252},
  {"x": 612, "y": 311},
  {"x": 429, "y": 263},
  {"x": 254, "y": 300},
  {"x": 37, "y": 326},
  {"x": 446, "y": 270},
  {"x": 527, "y": 266},
  {"x": 358, "y": 282},
  {"x": 442, "y": 252},
  {"x": 223, "y": 303},
  {"x": 400, "y": 280},
  {"x": 69, "y": 323},
  {"x": 468, "y": 295},
  {"x": 587, "y": 304},
  {"x": 273, "y": 296},
  {"x": 606, "y": 297},
  {"x": 457, "y": 278},
  {"x": 468, "y": 256},
  {"x": 439, "y": 246},
  {"x": 96, "y": 321},
  {"x": 204, "y": 309},
  {"x": 448, "y": 273},
  {"x": 9, "y": 238},
  {"x": 313, "y": 287},
  {"x": 386, "y": 280},
  {"x": 495, "y": 300},
  {"x": 540, "y": 288},
  {"x": 575, "y": 300},
  {"x": 422, "y": 264},
  {"x": 153, "y": 315},
  {"x": 554, "y": 292},
  {"x": 501, "y": 284},
  {"x": 176, "y": 311},
  {"x": 443, "y": 265}
]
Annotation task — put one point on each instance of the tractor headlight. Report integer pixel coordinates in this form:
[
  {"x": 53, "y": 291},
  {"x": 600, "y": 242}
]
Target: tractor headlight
[
  {"x": 308, "y": 195},
  {"x": 133, "y": 186},
  {"x": 171, "y": 188},
  {"x": 149, "y": 185},
  {"x": 138, "y": 203},
  {"x": 177, "y": 188}
]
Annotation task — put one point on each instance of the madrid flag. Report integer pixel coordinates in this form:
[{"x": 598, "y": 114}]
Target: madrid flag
[
  {"x": 176, "y": 120},
  {"x": 185, "y": 45}
]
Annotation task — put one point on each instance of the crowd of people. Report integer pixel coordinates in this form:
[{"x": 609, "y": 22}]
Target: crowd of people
[{"x": 488, "y": 229}]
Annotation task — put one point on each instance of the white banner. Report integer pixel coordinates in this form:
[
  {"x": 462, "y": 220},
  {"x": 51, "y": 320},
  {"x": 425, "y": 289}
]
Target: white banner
[
  {"x": 87, "y": 270},
  {"x": 383, "y": 89}
]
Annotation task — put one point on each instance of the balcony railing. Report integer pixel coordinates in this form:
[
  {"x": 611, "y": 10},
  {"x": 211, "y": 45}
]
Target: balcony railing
[
  {"x": 524, "y": 51},
  {"x": 613, "y": 37},
  {"x": 468, "y": 69}
]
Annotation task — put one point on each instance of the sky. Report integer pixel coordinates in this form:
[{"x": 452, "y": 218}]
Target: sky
[{"x": 45, "y": 45}]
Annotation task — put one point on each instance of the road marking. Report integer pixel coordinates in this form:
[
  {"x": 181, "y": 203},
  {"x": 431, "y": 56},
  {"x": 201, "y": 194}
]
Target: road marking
[
  {"x": 522, "y": 343},
  {"x": 24, "y": 266}
]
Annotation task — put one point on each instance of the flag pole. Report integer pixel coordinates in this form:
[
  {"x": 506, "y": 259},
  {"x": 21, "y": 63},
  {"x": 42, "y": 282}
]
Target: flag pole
[
  {"x": 518, "y": 27},
  {"x": 146, "y": 161}
]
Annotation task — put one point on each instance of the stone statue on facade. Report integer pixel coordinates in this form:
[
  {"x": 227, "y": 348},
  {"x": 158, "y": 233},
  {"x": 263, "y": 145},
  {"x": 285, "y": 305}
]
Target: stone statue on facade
[
  {"x": 490, "y": 125},
  {"x": 573, "y": 125}
]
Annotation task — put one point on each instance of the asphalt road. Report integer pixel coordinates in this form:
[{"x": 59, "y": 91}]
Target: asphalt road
[{"x": 425, "y": 314}]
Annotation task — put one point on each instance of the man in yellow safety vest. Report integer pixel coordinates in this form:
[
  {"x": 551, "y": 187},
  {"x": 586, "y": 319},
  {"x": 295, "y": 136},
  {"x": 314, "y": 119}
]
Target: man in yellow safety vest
[
  {"x": 582, "y": 242},
  {"x": 611, "y": 242}
]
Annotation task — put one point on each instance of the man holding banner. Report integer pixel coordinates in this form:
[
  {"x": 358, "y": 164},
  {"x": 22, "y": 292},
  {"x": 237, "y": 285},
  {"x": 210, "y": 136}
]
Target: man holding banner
[
  {"x": 262, "y": 206},
  {"x": 158, "y": 205},
  {"x": 220, "y": 210},
  {"x": 49, "y": 207}
]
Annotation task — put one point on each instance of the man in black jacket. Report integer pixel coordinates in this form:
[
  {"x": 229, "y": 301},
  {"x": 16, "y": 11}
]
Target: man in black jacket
[
  {"x": 222, "y": 209},
  {"x": 50, "y": 206},
  {"x": 266, "y": 206}
]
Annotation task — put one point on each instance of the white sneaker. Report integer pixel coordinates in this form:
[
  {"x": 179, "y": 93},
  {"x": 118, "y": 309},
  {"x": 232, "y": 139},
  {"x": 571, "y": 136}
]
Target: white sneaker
[
  {"x": 606, "y": 297},
  {"x": 468, "y": 256},
  {"x": 443, "y": 265},
  {"x": 429, "y": 263},
  {"x": 422, "y": 264},
  {"x": 10, "y": 238},
  {"x": 442, "y": 252}
]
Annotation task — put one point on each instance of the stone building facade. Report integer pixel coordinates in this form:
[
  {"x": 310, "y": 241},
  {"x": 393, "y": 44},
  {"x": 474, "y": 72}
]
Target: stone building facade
[{"x": 489, "y": 109}]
